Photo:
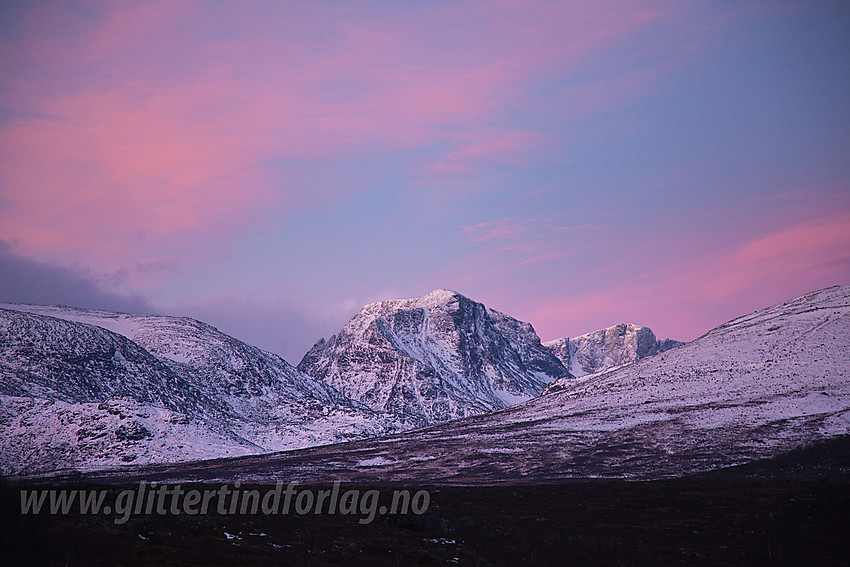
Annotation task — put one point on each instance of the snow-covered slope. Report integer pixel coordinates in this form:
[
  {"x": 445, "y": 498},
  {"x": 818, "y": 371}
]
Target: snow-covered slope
[
  {"x": 758, "y": 386},
  {"x": 434, "y": 358},
  {"x": 41, "y": 435},
  {"x": 203, "y": 393},
  {"x": 247, "y": 379},
  {"x": 607, "y": 348},
  {"x": 45, "y": 357}
]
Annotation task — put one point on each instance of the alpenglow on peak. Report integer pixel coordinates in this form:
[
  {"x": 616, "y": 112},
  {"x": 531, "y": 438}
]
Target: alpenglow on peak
[{"x": 433, "y": 358}]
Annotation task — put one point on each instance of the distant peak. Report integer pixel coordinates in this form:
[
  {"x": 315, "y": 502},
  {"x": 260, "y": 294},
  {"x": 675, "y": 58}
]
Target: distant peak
[{"x": 618, "y": 329}]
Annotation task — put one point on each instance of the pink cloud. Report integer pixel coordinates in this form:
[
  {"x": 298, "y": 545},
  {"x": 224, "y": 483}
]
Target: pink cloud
[
  {"x": 689, "y": 298},
  {"x": 537, "y": 230},
  {"x": 485, "y": 148},
  {"x": 495, "y": 230},
  {"x": 505, "y": 249},
  {"x": 143, "y": 125}
]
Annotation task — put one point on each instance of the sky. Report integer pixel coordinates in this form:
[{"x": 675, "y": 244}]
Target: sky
[{"x": 269, "y": 167}]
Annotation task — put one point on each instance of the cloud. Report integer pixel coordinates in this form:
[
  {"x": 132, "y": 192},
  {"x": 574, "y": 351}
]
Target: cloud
[
  {"x": 787, "y": 259},
  {"x": 481, "y": 148},
  {"x": 134, "y": 127},
  {"x": 689, "y": 298},
  {"x": 538, "y": 229},
  {"x": 277, "y": 324},
  {"x": 28, "y": 281},
  {"x": 502, "y": 229},
  {"x": 282, "y": 324},
  {"x": 509, "y": 248}
]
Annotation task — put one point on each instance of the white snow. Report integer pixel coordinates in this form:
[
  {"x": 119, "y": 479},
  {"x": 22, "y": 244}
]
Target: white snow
[
  {"x": 236, "y": 399},
  {"x": 374, "y": 462},
  {"x": 434, "y": 358},
  {"x": 761, "y": 384}
]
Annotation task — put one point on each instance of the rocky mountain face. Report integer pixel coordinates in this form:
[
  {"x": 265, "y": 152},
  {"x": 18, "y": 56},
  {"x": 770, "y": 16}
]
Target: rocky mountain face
[
  {"x": 606, "y": 348},
  {"x": 756, "y": 387},
  {"x": 434, "y": 358},
  {"x": 75, "y": 393},
  {"x": 86, "y": 388},
  {"x": 91, "y": 390}
]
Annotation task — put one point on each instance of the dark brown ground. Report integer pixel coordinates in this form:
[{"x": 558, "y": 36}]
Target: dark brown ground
[{"x": 675, "y": 522}]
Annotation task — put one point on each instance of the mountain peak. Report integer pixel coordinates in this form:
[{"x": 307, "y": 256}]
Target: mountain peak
[
  {"x": 436, "y": 297},
  {"x": 441, "y": 296},
  {"x": 756, "y": 387},
  {"x": 432, "y": 358},
  {"x": 605, "y": 348}
]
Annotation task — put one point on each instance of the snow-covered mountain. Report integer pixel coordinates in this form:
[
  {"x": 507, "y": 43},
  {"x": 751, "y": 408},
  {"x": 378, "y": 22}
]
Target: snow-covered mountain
[
  {"x": 607, "y": 348},
  {"x": 753, "y": 388},
  {"x": 78, "y": 395},
  {"x": 183, "y": 390},
  {"x": 247, "y": 379},
  {"x": 45, "y": 357},
  {"x": 434, "y": 358}
]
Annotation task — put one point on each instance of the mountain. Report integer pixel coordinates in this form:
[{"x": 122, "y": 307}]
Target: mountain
[
  {"x": 774, "y": 381},
  {"x": 606, "y": 348},
  {"x": 434, "y": 358},
  {"x": 247, "y": 379},
  {"x": 75, "y": 393},
  {"x": 49, "y": 357}
]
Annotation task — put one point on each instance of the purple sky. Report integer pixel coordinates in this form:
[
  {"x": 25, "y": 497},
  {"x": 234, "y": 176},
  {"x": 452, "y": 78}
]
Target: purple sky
[{"x": 271, "y": 166}]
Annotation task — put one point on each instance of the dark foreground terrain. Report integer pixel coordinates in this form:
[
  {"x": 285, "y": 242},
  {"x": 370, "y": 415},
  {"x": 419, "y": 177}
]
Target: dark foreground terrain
[
  {"x": 708, "y": 521},
  {"x": 793, "y": 509}
]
